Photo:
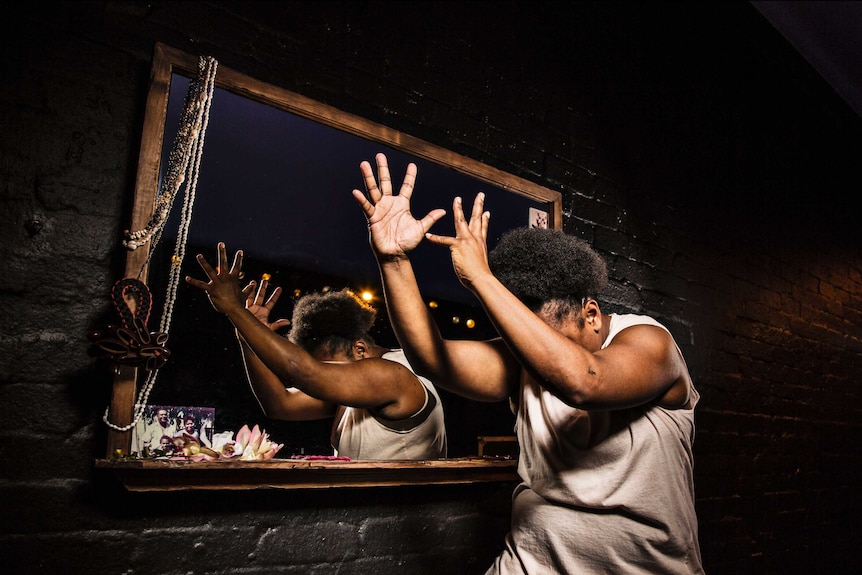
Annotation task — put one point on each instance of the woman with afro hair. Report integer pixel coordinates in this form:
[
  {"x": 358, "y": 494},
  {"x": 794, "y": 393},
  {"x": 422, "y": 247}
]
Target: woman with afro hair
[
  {"x": 604, "y": 403},
  {"x": 329, "y": 366}
]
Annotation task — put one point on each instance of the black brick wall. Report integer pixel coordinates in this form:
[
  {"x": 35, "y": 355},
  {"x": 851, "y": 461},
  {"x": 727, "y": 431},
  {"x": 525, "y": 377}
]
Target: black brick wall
[{"x": 708, "y": 163}]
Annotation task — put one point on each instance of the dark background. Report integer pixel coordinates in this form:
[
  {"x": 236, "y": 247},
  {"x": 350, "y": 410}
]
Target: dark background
[{"x": 694, "y": 147}]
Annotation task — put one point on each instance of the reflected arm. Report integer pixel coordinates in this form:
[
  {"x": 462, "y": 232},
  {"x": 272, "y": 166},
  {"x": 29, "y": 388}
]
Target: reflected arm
[
  {"x": 274, "y": 398},
  {"x": 277, "y": 401},
  {"x": 386, "y": 387}
]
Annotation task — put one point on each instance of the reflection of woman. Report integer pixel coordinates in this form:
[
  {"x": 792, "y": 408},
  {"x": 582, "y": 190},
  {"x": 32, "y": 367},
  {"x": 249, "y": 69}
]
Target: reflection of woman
[{"x": 333, "y": 368}]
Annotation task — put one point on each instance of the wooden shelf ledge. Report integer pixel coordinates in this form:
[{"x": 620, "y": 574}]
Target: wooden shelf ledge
[{"x": 170, "y": 475}]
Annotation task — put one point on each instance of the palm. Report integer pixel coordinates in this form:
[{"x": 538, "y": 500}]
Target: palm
[
  {"x": 394, "y": 231},
  {"x": 223, "y": 285},
  {"x": 261, "y": 306},
  {"x": 260, "y": 312}
]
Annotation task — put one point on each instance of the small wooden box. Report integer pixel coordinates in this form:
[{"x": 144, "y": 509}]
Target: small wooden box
[{"x": 498, "y": 446}]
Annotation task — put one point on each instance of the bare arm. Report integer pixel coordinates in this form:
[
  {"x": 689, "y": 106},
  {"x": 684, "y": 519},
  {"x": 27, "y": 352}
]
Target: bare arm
[
  {"x": 275, "y": 400},
  {"x": 482, "y": 371},
  {"x": 477, "y": 370},
  {"x": 386, "y": 387},
  {"x": 641, "y": 364}
]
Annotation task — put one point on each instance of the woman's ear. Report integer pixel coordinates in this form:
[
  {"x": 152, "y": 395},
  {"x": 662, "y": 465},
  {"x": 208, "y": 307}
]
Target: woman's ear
[
  {"x": 593, "y": 315},
  {"x": 360, "y": 349}
]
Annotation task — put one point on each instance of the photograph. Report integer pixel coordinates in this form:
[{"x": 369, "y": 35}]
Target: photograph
[{"x": 164, "y": 428}]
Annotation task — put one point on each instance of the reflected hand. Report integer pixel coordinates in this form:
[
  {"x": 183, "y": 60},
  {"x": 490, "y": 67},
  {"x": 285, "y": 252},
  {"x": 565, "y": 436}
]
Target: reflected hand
[
  {"x": 261, "y": 307},
  {"x": 469, "y": 247},
  {"x": 222, "y": 288},
  {"x": 393, "y": 230}
]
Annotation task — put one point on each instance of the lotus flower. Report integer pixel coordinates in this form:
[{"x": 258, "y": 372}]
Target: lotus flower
[
  {"x": 254, "y": 445},
  {"x": 249, "y": 445}
]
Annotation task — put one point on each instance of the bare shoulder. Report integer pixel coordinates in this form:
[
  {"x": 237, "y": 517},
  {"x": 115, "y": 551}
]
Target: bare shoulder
[
  {"x": 647, "y": 337},
  {"x": 657, "y": 345}
]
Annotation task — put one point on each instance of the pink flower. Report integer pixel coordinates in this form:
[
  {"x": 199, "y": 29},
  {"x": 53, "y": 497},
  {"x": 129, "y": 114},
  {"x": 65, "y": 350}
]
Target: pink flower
[
  {"x": 254, "y": 444},
  {"x": 249, "y": 445}
]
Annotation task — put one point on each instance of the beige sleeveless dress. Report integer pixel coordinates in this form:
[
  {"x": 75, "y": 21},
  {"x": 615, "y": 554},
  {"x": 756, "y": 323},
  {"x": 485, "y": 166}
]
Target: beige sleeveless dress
[{"x": 602, "y": 492}]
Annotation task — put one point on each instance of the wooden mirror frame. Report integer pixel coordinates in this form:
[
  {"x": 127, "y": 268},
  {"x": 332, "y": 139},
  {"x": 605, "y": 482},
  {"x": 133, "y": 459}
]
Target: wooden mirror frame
[{"x": 171, "y": 475}]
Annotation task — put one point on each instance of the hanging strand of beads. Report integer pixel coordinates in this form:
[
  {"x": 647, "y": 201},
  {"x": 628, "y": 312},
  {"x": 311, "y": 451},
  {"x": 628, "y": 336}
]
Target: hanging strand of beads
[
  {"x": 183, "y": 167},
  {"x": 193, "y": 168},
  {"x": 195, "y": 109}
]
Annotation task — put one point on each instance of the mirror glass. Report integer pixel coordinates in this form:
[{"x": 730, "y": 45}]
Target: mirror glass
[{"x": 275, "y": 180}]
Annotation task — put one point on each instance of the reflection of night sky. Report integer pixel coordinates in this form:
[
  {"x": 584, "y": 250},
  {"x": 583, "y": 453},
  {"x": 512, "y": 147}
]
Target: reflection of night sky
[{"x": 278, "y": 186}]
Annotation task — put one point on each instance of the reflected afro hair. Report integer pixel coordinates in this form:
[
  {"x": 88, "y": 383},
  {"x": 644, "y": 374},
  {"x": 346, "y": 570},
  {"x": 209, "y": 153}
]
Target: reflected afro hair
[
  {"x": 334, "y": 319},
  {"x": 542, "y": 265}
]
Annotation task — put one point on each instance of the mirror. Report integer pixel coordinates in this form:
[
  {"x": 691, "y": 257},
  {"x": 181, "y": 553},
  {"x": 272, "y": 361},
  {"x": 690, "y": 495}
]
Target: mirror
[{"x": 275, "y": 181}]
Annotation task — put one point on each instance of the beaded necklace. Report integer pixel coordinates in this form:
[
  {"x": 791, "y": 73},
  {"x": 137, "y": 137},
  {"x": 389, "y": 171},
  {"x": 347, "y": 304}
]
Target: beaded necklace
[{"x": 183, "y": 167}]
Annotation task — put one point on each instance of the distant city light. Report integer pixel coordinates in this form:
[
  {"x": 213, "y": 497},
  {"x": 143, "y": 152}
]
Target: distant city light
[
  {"x": 470, "y": 323},
  {"x": 367, "y": 295},
  {"x": 432, "y": 304}
]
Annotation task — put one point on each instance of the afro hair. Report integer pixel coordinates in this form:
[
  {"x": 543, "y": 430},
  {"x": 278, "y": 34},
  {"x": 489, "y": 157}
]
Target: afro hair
[
  {"x": 333, "y": 319},
  {"x": 541, "y": 265}
]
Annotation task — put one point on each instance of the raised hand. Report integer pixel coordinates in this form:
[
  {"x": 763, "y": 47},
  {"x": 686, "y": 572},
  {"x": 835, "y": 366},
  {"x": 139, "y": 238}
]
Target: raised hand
[
  {"x": 222, "y": 288},
  {"x": 393, "y": 230},
  {"x": 469, "y": 247},
  {"x": 261, "y": 307}
]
